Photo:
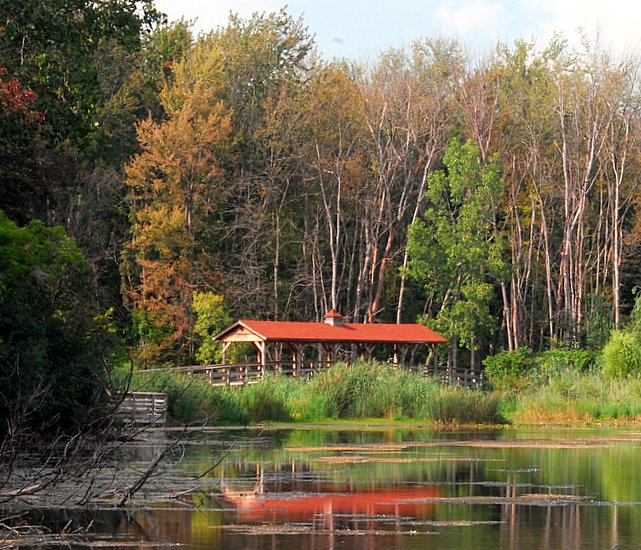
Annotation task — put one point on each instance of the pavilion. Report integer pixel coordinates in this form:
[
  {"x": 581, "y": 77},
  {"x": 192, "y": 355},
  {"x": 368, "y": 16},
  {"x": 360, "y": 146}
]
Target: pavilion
[{"x": 327, "y": 338}]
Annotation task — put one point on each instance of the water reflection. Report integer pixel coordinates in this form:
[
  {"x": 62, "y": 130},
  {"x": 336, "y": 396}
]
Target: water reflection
[
  {"x": 326, "y": 502},
  {"x": 404, "y": 489}
]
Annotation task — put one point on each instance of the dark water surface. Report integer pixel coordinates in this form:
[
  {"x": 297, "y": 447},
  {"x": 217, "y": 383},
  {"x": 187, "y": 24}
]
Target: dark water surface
[{"x": 395, "y": 488}]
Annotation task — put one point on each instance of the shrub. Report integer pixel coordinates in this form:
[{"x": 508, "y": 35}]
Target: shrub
[
  {"x": 558, "y": 361},
  {"x": 510, "y": 369},
  {"x": 53, "y": 339},
  {"x": 211, "y": 318},
  {"x": 621, "y": 356}
]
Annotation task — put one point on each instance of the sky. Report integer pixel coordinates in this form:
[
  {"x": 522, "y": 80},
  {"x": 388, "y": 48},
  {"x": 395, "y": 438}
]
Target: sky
[{"x": 360, "y": 29}]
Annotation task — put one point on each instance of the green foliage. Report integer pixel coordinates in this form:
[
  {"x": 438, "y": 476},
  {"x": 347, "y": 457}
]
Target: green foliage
[
  {"x": 54, "y": 47},
  {"x": 51, "y": 366},
  {"x": 621, "y": 356},
  {"x": 516, "y": 370},
  {"x": 211, "y": 318},
  {"x": 510, "y": 369},
  {"x": 634, "y": 323},
  {"x": 599, "y": 323},
  {"x": 559, "y": 361},
  {"x": 454, "y": 252}
]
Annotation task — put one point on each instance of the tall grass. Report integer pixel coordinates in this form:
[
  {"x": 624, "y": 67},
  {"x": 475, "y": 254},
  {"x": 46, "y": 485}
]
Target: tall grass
[
  {"x": 370, "y": 390},
  {"x": 586, "y": 397},
  {"x": 192, "y": 400},
  {"x": 382, "y": 391},
  {"x": 364, "y": 390}
]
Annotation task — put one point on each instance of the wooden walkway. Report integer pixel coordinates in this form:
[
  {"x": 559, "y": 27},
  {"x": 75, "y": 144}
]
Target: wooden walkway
[
  {"x": 240, "y": 374},
  {"x": 143, "y": 409}
]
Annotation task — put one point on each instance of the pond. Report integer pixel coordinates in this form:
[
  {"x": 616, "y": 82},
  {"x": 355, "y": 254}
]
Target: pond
[{"x": 390, "y": 487}]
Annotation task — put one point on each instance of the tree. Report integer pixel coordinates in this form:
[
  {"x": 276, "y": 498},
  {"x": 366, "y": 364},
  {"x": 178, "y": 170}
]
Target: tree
[
  {"x": 334, "y": 120},
  {"x": 52, "y": 48},
  {"x": 408, "y": 112},
  {"x": 52, "y": 369},
  {"x": 174, "y": 186},
  {"x": 211, "y": 318},
  {"x": 453, "y": 249}
]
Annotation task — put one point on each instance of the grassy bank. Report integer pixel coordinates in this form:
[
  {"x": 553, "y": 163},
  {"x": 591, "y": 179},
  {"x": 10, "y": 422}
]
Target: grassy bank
[
  {"x": 581, "y": 398},
  {"x": 382, "y": 391},
  {"x": 361, "y": 391}
]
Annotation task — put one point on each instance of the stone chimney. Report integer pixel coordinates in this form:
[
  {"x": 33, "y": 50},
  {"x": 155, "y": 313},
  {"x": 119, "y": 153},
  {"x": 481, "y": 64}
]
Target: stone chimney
[{"x": 333, "y": 318}]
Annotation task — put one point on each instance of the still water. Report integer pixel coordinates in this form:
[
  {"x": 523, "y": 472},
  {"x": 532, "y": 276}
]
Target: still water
[{"x": 395, "y": 488}]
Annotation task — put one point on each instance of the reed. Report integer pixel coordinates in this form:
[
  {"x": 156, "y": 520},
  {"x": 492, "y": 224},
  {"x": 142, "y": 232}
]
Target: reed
[
  {"x": 587, "y": 397},
  {"x": 372, "y": 390},
  {"x": 193, "y": 400}
]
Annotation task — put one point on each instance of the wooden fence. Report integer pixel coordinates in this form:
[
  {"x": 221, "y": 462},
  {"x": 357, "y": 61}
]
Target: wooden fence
[{"x": 143, "y": 408}]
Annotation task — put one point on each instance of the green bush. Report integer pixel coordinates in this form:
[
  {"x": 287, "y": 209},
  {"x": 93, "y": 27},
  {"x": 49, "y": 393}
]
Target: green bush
[
  {"x": 519, "y": 369},
  {"x": 621, "y": 356},
  {"x": 53, "y": 339},
  {"x": 211, "y": 318},
  {"x": 510, "y": 369},
  {"x": 558, "y": 361}
]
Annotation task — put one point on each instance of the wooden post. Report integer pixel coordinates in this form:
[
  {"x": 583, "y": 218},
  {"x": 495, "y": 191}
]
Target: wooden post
[
  {"x": 261, "y": 348},
  {"x": 329, "y": 355},
  {"x": 263, "y": 361},
  {"x": 296, "y": 352},
  {"x": 435, "y": 357},
  {"x": 395, "y": 356},
  {"x": 225, "y": 348}
]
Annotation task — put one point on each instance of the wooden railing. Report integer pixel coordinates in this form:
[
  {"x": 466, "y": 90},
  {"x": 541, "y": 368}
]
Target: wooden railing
[
  {"x": 143, "y": 408},
  {"x": 239, "y": 374},
  {"x": 459, "y": 376}
]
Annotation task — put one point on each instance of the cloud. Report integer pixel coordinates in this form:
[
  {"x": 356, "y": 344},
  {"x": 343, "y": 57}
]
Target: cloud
[
  {"x": 615, "y": 22},
  {"x": 466, "y": 17},
  {"x": 210, "y": 14}
]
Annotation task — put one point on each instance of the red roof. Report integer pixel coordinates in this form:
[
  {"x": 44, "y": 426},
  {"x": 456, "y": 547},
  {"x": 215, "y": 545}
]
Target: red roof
[{"x": 288, "y": 331}]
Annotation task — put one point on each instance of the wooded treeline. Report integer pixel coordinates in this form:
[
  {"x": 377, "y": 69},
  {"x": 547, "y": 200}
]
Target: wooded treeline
[{"x": 237, "y": 174}]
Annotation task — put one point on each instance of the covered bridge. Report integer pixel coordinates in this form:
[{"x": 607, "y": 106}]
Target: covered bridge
[{"x": 321, "y": 341}]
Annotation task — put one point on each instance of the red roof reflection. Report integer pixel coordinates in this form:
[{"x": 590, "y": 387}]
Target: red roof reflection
[{"x": 293, "y": 507}]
